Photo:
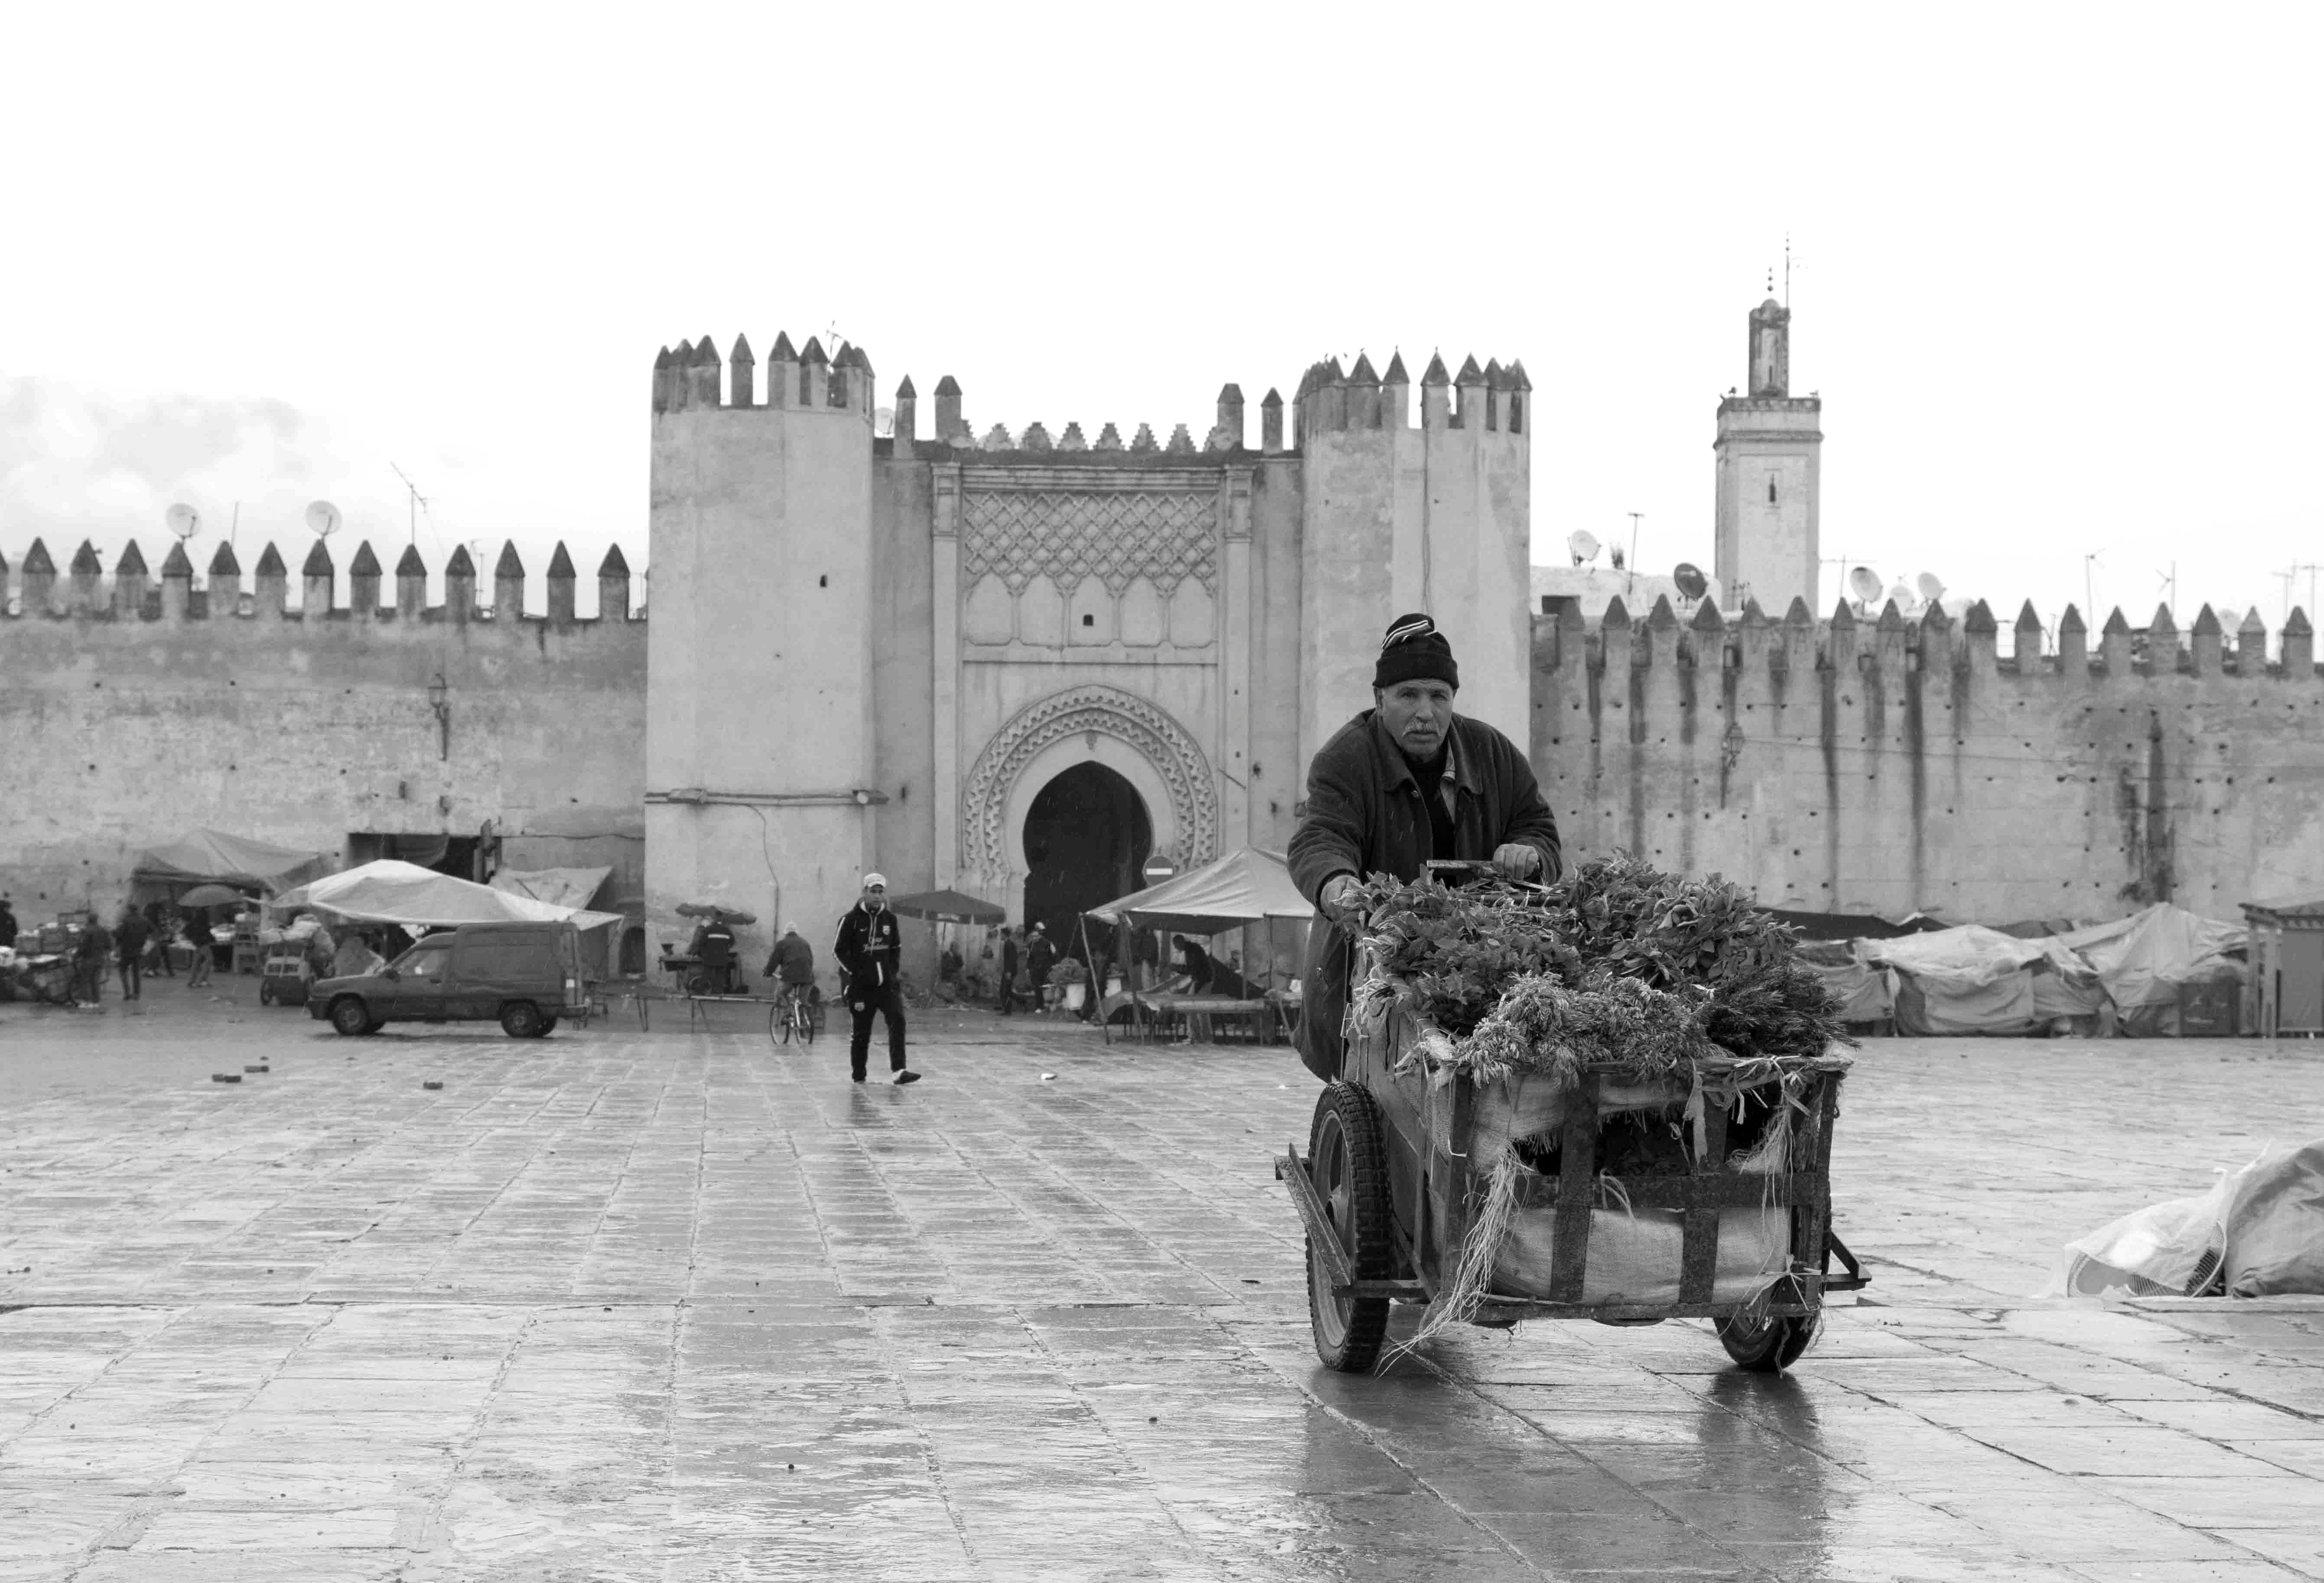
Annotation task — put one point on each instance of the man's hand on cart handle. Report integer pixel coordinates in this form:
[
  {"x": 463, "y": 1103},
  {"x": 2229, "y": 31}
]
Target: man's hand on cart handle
[
  {"x": 1334, "y": 899},
  {"x": 1517, "y": 860}
]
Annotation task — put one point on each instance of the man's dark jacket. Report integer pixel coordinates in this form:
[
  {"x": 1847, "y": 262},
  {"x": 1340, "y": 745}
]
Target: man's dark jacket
[
  {"x": 867, "y": 949},
  {"x": 792, "y": 958},
  {"x": 1365, "y": 816}
]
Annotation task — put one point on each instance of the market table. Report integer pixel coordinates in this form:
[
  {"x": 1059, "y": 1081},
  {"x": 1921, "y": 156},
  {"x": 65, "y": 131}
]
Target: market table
[{"x": 1198, "y": 1010}]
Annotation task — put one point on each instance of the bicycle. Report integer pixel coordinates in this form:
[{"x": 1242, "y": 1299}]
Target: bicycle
[{"x": 795, "y": 1015}]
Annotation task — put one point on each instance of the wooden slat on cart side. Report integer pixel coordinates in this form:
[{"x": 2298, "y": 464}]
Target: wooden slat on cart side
[
  {"x": 1812, "y": 1215},
  {"x": 1726, "y": 1191},
  {"x": 1577, "y": 1174},
  {"x": 1699, "y": 1248}
]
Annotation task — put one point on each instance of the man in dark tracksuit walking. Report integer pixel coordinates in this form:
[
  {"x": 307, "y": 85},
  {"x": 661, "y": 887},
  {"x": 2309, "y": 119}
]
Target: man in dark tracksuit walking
[{"x": 868, "y": 949}]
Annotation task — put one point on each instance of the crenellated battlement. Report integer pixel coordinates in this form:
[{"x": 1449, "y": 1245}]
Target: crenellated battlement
[
  {"x": 31, "y": 592},
  {"x": 1482, "y": 401},
  {"x": 1894, "y": 643}
]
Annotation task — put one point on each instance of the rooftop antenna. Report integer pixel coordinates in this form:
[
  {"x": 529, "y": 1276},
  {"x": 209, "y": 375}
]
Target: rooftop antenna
[
  {"x": 2089, "y": 587},
  {"x": 412, "y": 506},
  {"x": 2167, "y": 584},
  {"x": 1787, "y": 271},
  {"x": 1634, "y": 517},
  {"x": 236, "y": 524}
]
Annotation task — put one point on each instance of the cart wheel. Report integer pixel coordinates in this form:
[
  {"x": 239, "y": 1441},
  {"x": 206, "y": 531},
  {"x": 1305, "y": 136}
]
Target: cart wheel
[
  {"x": 265, "y": 993},
  {"x": 1766, "y": 1345},
  {"x": 1348, "y": 1164}
]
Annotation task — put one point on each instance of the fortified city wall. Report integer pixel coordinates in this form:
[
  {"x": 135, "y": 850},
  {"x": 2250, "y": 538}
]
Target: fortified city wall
[
  {"x": 134, "y": 708},
  {"x": 1897, "y": 766}
]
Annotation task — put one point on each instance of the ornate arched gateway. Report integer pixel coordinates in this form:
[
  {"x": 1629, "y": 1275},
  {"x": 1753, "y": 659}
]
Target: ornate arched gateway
[{"x": 1128, "y": 734}]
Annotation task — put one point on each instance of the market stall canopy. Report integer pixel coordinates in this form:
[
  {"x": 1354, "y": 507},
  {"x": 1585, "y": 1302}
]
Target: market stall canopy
[
  {"x": 214, "y": 856},
  {"x": 2143, "y": 958},
  {"x": 557, "y": 887},
  {"x": 207, "y": 895},
  {"x": 709, "y": 910},
  {"x": 392, "y": 892},
  {"x": 1969, "y": 956},
  {"x": 1246, "y": 886},
  {"x": 947, "y": 906}
]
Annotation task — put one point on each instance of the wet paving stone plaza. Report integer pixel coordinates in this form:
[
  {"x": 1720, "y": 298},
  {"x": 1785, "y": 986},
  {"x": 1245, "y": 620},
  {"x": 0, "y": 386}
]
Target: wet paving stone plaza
[{"x": 684, "y": 1305}]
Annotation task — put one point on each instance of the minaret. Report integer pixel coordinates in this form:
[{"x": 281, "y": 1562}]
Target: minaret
[{"x": 1769, "y": 452}]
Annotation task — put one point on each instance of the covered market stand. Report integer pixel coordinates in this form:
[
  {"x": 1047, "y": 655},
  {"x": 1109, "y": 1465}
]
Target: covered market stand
[{"x": 1244, "y": 889}]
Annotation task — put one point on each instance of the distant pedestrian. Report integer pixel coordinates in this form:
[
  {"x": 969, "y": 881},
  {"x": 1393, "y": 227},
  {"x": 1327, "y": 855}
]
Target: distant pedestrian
[
  {"x": 870, "y": 949},
  {"x": 1008, "y": 971},
  {"x": 88, "y": 962},
  {"x": 7, "y": 924},
  {"x": 197, "y": 926},
  {"x": 157, "y": 916},
  {"x": 129, "y": 937},
  {"x": 1040, "y": 956}
]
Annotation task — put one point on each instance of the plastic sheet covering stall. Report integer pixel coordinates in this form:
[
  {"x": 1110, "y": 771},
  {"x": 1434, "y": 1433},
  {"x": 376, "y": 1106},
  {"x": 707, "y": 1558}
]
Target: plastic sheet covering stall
[
  {"x": 573, "y": 888},
  {"x": 1971, "y": 980},
  {"x": 217, "y": 857},
  {"x": 2143, "y": 958},
  {"x": 392, "y": 892},
  {"x": 1866, "y": 993}
]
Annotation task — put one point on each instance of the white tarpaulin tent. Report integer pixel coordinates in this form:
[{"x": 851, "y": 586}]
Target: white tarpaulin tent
[
  {"x": 1246, "y": 886},
  {"x": 393, "y": 892},
  {"x": 575, "y": 888},
  {"x": 2143, "y": 958},
  {"x": 1971, "y": 980}
]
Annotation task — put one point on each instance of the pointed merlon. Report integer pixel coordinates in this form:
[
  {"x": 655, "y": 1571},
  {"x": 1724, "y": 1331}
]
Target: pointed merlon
[
  {"x": 1273, "y": 399},
  {"x": 2252, "y": 623},
  {"x": 1800, "y": 615},
  {"x": 1707, "y": 618},
  {"x": 1518, "y": 380},
  {"x": 2162, "y": 625},
  {"x": 863, "y": 362},
  {"x": 508, "y": 565},
  {"x": 1843, "y": 618},
  {"x": 1143, "y": 440},
  {"x": 1362, "y": 374},
  {"x": 1037, "y": 437},
  {"x": 1435, "y": 375},
  {"x": 904, "y": 393},
  {"x": 947, "y": 386},
  {"x": 662, "y": 360},
  {"x": 2207, "y": 623},
  {"x": 177, "y": 563},
  {"x": 366, "y": 565},
  {"x": 844, "y": 357},
  {"x": 408, "y": 563},
  {"x": 460, "y": 565},
  {"x": 2115, "y": 623},
  {"x": 1662, "y": 618},
  {"x": 814, "y": 353},
  {"x": 1469, "y": 375},
  {"x": 318, "y": 562},
  {"x": 1108, "y": 439},
  {"x": 85, "y": 562},
  {"x": 784, "y": 351},
  {"x": 706, "y": 355},
  {"x": 1980, "y": 621},
  {"x": 2295, "y": 625},
  {"x": 1618, "y": 614},
  {"x": 223, "y": 564},
  {"x": 683, "y": 356},
  {"x": 2027, "y": 621},
  {"x": 1072, "y": 439},
  {"x": 1493, "y": 374},
  {"x": 1182, "y": 444},
  {"x": 132, "y": 562},
  {"x": 1934, "y": 619},
  {"x": 1753, "y": 616},
  {"x": 613, "y": 565},
  {"x": 270, "y": 562},
  {"x": 37, "y": 561},
  {"x": 1231, "y": 393},
  {"x": 1333, "y": 373},
  {"x": 2071, "y": 621},
  {"x": 1892, "y": 619},
  {"x": 997, "y": 438},
  {"x": 560, "y": 565},
  {"x": 1396, "y": 374},
  {"x": 741, "y": 351}
]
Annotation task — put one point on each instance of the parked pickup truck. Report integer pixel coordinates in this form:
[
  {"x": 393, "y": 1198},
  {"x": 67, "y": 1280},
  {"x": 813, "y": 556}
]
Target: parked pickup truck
[{"x": 522, "y": 976}]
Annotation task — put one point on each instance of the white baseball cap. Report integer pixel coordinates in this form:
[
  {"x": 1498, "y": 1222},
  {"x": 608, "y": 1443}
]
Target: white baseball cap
[{"x": 871, "y": 879}]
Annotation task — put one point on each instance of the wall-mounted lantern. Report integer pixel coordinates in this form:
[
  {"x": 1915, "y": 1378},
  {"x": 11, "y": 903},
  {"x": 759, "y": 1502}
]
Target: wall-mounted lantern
[{"x": 440, "y": 699}]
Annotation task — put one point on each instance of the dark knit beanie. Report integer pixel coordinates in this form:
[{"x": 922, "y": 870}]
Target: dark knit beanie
[{"x": 1414, "y": 650}]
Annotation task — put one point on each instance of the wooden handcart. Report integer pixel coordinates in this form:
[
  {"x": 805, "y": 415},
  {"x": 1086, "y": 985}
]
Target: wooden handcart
[{"x": 1392, "y": 1184}]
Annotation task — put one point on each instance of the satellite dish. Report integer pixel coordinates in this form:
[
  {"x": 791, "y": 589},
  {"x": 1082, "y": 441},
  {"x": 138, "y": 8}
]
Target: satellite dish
[
  {"x": 1866, "y": 582},
  {"x": 322, "y": 518},
  {"x": 1901, "y": 595},
  {"x": 883, "y": 423},
  {"x": 1582, "y": 545},
  {"x": 1931, "y": 589},
  {"x": 183, "y": 521},
  {"x": 1690, "y": 579}
]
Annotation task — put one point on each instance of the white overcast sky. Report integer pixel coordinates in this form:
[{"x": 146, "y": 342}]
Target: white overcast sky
[{"x": 2056, "y": 270}]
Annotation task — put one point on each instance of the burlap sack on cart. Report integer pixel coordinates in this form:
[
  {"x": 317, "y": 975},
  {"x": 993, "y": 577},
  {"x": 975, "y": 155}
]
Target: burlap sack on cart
[{"x": 1634, "y": 1256}]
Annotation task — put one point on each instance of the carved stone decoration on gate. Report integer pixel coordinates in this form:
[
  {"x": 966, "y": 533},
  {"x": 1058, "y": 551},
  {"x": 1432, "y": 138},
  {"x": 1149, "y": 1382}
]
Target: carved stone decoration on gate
[
  {"x": 1115, "y": 536},
  {"x": 1145, "y": 728}
]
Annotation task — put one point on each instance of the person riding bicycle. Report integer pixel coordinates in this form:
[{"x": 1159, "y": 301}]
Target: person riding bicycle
[{"x": 792, "y": 961}]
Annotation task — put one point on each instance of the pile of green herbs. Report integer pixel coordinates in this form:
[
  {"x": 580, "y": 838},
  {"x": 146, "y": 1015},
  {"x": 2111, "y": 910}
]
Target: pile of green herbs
[{"x": 1617, "y": 964}]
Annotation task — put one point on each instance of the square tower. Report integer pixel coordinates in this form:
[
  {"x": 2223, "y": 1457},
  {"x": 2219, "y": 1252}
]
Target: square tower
[{"x": 1769, "y": 448}]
